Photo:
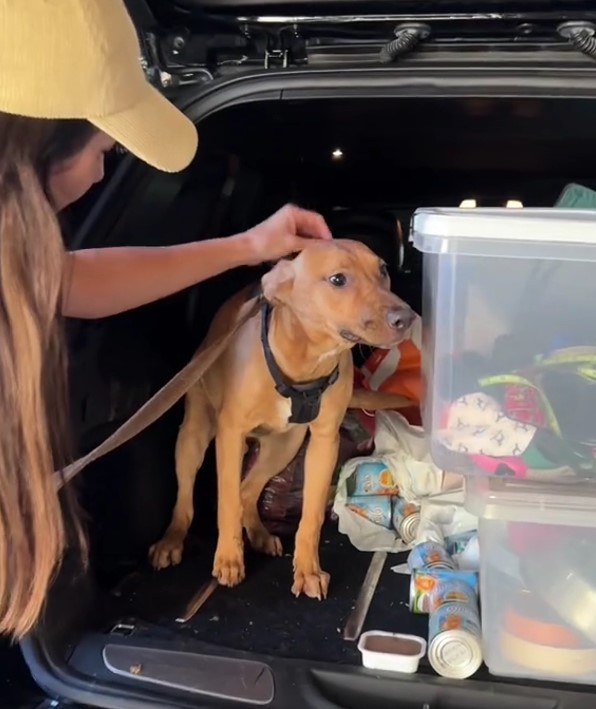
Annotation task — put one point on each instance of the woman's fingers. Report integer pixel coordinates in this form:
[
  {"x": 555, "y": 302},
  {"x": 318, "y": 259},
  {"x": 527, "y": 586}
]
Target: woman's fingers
[{"x": 309, "y": 224}]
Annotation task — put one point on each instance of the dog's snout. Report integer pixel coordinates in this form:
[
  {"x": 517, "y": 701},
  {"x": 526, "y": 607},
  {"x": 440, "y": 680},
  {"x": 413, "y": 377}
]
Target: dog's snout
[{"x": 400, "y": 318}]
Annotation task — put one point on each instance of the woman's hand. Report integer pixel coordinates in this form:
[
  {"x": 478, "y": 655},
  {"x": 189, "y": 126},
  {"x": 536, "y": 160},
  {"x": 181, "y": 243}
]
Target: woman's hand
[{"x": 287, "y": 231}]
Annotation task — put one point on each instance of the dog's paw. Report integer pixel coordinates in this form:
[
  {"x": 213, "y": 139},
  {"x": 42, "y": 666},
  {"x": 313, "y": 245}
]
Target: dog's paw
[
  {"x": 314, "y": 584},
  {"x": 166, "y": 552},
  {"x": 263, "y": 542},
  {"x": 228, "y": 565}
]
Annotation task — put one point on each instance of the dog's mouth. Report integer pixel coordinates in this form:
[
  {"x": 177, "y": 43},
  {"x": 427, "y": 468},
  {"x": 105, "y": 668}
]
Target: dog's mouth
[
  {"x": 354, "y": 339},
  {"x": 349, "y": 336}
]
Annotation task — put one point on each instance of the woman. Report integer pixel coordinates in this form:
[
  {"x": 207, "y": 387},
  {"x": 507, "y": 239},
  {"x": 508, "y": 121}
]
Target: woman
[{"x": 59, "y": 115}]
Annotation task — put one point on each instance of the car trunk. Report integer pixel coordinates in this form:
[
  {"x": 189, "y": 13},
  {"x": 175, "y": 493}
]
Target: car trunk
[{"x": 364, "y": 162}]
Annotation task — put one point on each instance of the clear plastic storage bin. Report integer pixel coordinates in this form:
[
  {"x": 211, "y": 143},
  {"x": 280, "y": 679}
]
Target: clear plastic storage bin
[
  {"x": 537, "y": 578},
  {"x": 510, "y": 341}
]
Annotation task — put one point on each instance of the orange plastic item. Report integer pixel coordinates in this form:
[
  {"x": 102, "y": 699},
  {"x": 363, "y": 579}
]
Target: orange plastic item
[
  {"x": 395, "y": 371},
  {"x": 533, "y": 622}
]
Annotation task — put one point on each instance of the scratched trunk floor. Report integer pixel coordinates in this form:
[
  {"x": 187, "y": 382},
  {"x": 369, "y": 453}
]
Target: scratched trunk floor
[{"x": 262, "y": 616}]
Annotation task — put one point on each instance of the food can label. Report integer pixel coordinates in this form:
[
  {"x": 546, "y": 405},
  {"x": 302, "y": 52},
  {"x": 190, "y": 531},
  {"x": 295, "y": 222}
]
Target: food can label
[
  {"x": 452, "y": 590},
  {"x": 429, "y": 555},
  {"x": 374, "y": 508},
  {"x": 425, "y": 582},
  {"x": 372, "y": 478},
  {"x": 455, "y": 616}
]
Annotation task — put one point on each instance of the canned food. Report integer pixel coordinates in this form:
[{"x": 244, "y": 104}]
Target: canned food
[
  {"x": 406, "y": 519},
  {"x": 372, "y": 478},
  {"x": 429, "y": 555},
  {"x": 453, "y": 590},
  {"x": 424, "y": 581},
  {"x": 375, "y": 508},
  {"x": 454, "y": 633}
]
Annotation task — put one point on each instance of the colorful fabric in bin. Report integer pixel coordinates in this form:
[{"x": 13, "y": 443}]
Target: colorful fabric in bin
[
  {"x": 477, "y": 425},
  {"x": 520, "y": 423}
]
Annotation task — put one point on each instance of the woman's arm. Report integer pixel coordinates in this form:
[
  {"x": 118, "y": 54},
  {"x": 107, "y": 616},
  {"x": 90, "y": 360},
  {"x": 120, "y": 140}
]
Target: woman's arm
[{"x": 102, "y": 282}]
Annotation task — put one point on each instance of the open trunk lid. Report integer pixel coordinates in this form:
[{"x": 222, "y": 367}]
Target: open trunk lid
[{"x": 188, "y": 42}]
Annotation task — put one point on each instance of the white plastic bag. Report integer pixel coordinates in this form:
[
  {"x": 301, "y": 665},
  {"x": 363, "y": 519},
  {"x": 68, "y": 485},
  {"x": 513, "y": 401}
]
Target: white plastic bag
[{"x": 404, "y": 450}]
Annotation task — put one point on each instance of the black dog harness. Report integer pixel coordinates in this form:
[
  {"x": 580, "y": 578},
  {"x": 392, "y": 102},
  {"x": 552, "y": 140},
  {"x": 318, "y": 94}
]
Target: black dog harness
[{"x": 305, "y": 397}]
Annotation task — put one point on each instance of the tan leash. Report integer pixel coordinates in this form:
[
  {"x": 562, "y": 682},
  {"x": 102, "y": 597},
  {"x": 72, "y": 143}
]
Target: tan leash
[{"x": 164, "y": 399}]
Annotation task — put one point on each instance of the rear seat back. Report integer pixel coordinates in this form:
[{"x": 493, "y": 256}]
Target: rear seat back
[{"x": 386, "y": 234}]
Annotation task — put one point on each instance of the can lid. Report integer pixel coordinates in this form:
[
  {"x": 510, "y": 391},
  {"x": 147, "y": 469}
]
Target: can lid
[
  {"x": 409, "y": 527},
  {"x": 455, "y": 653},
  {"x": 441, "y": 565}
]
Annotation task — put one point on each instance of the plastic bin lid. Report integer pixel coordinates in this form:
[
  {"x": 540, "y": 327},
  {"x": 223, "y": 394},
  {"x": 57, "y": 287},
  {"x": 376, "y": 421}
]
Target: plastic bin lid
[
  {"x": 516, "y": 501},
  {"x": 471, "y": 231}
]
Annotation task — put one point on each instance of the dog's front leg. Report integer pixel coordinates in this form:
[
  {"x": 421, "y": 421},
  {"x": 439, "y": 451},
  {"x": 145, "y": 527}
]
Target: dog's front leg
[
  {"x": 319, "y": 464},
  {"x": 228, "y": 565}
]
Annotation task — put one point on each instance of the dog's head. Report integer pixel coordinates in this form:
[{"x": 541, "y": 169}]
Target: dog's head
[{"x": 342, "y": 287}]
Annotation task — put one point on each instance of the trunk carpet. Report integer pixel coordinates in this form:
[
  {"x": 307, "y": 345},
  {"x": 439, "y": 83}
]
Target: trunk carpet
[{"x": 261, "y": 615}]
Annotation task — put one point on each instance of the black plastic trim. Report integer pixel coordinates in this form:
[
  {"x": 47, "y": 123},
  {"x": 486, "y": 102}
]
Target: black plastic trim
[
  {"x": 299, "y": 684},
  {"x": 61, "y": 681},
  {"x": 547, "y": 82},
  {"x": 207, "y": 675}
]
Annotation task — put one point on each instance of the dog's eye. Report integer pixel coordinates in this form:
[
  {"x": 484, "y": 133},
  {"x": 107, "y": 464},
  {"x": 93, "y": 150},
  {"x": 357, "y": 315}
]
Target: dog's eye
[
  {"x": 338, "y": 280},
  {"x": 384, "y": 270}
]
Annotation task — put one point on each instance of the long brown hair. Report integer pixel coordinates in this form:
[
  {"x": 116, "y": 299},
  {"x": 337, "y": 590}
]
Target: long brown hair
[{"x": 33, "y": 373}]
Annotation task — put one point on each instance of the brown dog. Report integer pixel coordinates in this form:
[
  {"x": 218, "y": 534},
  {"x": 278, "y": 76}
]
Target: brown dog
[{"x": 287, "y": 371}]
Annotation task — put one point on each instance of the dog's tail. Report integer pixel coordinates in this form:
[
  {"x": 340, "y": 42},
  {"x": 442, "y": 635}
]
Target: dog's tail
[{"x": 378, "y": 400}]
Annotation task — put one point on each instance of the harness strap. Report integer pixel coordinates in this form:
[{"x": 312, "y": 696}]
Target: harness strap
[{"x": 305, "y": 397}]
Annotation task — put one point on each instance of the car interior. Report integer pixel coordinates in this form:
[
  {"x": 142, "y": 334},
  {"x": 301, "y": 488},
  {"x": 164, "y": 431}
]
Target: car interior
[{"x": 366, "y": 164}]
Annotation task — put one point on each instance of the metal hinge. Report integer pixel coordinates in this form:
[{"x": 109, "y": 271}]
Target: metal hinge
[
  {"x": 287, "y": 48},
  {"x": 276, "y": 57}
]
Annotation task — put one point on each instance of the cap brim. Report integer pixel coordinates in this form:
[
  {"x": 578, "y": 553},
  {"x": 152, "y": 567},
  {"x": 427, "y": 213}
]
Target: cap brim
[{"x": 155, "y": 131}]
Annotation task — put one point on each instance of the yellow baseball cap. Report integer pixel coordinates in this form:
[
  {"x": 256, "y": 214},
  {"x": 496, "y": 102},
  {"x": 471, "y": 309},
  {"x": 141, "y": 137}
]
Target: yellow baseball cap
[{"x": 81, "y": 59}]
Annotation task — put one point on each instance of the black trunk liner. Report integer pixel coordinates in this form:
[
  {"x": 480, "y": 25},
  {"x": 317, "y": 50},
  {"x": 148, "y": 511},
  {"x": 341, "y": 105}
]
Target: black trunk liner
[{"x": 262, "y": 616}]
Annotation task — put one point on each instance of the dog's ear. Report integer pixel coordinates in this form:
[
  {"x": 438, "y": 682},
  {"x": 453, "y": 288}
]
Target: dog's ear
[{"x": 277, "y": 284}]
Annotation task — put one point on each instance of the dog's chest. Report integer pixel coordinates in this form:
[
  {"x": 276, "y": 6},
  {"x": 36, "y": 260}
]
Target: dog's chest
[
  {"x": 276, "y": 418},
  {"x": 283, "y": 411}
]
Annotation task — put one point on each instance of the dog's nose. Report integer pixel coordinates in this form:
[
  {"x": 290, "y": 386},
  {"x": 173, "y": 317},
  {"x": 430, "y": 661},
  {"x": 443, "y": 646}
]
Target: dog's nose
[{"x": 400, "y": 318}]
